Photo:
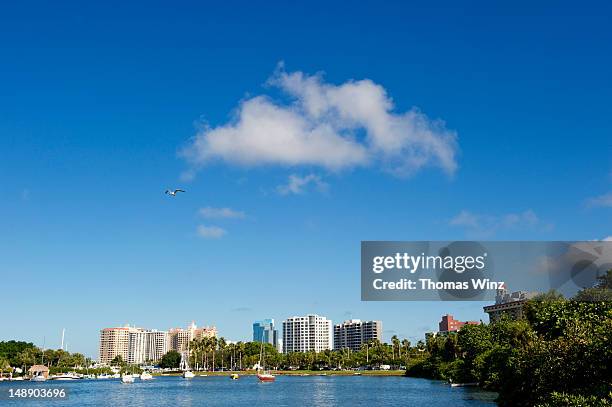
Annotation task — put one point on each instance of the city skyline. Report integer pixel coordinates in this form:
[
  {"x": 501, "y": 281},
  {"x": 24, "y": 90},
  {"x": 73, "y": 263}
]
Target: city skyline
[{"x": 394, "y": 122}]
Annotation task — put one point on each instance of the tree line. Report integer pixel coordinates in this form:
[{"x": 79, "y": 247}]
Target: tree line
[
  {"x": 19, "y": 354},
  {"x": 216, "y": 354},
  {"x": 560, "y": 354}
]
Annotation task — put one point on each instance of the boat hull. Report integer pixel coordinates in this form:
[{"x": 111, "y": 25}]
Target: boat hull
[{"x": 266, "y": 378}]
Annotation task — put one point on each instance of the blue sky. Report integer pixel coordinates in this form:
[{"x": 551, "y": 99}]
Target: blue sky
[{"x": 101, "y": 105}]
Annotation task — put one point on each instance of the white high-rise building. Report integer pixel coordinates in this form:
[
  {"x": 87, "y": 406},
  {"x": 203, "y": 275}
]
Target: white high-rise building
[
  {"x": 353, "y": 333},
  {"x": 137, "y": 348},
  {"x": 157, "y": 344},
  {"x": 309, "y": 333}
]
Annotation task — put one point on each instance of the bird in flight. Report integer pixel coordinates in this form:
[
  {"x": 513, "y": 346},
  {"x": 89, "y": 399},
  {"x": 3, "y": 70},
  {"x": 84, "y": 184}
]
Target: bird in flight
[{"x": 173, "y": 192}]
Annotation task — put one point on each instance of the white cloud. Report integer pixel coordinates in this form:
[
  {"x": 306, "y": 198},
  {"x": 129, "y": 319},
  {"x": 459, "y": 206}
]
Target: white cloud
[
  {"x": 297, "y": 184},
  {"x": 210, "y": 232},
  {"x": 329, "y": 126},
  {"x": 604, "y": 200},
  {"x": 607, "y": 239},
  {"x": 487, "y": 225},
  {"x": 221, "y": 213}
]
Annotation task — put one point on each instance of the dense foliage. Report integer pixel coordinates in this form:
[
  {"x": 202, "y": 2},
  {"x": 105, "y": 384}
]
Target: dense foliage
[
  {"x": 170, "y": 360},
  {"x": 216, "y": 354},
  {"x": 560, "y": 354},
  {"x": 14, "y": 354}
]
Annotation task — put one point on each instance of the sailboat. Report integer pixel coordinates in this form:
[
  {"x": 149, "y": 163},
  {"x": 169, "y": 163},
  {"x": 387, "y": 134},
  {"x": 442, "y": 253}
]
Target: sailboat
[
  {"x": 187, "y": 373},
  {"x": 127, "y": 378},
  {"x": 262, "y": 374},
  {"x": 40, "y": 376}
]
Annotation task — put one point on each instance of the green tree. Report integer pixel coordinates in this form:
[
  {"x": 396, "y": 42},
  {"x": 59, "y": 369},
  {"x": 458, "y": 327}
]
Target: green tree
[
  {"x": 170, "y": 360},
  {"x": 118, "y": 361}
]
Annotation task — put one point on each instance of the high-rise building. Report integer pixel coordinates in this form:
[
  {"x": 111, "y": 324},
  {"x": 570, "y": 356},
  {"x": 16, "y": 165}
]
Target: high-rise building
[
  {"x": 353, "y": 333},
  {"x": 137, "y": 347},
  {"x": 450, "y": 324},
  {"x": 157, "y": 345},
  {"x": 264, "y": 331},
  {"x": 114, "y": 342},
  {"x": 179, "y": 338},
  {"x": 134, "y": 345},
  {"x": 308, "y": 333}
]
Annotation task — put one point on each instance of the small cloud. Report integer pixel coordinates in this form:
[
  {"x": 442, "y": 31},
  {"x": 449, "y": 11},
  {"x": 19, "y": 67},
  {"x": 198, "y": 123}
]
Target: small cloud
[
  {"x": 487, "y": 225},
  {"x": 604, "y": 201},
  {"x": 187, "y": 175},
  {"x": 210, "y": 232},
  {"x": 297, "y": 184},
  {"x": 221, "y": 213},
  {"x": 241, "y": 309},
  {"x": 465, "y": 218}
]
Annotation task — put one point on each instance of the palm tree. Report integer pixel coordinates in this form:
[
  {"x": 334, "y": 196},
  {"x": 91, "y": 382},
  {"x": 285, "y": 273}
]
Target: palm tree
[
  {"x": 222, "y": 346},
  {"x": 4, "y": 365},
  {"x": 213, "y": 347},
  {"x": 395, "y": 343}
]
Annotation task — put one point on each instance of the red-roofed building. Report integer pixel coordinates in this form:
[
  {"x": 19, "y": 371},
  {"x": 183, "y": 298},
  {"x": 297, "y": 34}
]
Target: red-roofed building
[{"x": 450, "y": 324}]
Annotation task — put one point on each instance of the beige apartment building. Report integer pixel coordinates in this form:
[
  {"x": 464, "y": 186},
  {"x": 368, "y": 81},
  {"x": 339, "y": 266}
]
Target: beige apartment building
[
  {"x": 114, "y": 342},
  {"x": 179, "y": 338},
  {"x": 138, "y": 345}
]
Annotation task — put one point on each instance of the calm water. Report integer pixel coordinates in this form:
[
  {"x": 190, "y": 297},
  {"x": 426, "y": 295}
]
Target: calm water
[{"x": 286, "y": 391}]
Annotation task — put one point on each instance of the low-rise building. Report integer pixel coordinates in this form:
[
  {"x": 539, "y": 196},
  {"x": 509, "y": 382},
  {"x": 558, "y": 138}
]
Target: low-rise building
[
  {"x": 450, "y": 324},
  {"x": 508, "y": 304}
]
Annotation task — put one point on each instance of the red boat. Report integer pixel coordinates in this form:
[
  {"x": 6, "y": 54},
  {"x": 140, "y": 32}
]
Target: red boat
[
  {"x": 266, "y": 377},
  {"x": 263, "y": 375}
]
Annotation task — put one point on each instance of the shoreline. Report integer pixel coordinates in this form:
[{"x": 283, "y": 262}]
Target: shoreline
[{"x": 297, "y": 373}]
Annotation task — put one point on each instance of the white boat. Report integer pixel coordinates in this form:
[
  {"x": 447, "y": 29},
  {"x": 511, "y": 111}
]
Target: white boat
[
  {"x": 66, "y": 376},
  {"x": 38, "y": 378},
  {"x": 184, "y": 366},
  {"x": 464, "y": 384},
  {"x": 136, "y": 376},
  {"x": 117, "y": 376},
  {"x": 127, "y": 378},
  {"x": 105, "y": 376},
  {"x": 146, "y": 376}
]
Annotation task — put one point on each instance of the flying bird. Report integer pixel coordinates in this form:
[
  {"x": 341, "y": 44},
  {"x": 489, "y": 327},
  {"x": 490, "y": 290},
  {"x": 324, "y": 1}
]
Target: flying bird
[{"x": 173, "y": 193}]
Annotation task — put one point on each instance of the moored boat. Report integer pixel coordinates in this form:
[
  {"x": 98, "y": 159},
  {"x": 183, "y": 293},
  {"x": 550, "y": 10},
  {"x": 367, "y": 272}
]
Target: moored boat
[
  {"x": 38, "y": 378},
  {"x": 464, "y": 384},
  {"x": 266, "y": 376},
  {"x": 127, "y": 378},
  {"x": 262, "y": 374},
  {"x": 146, "y": 376},
  {"x": 66, "y": 376}
]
